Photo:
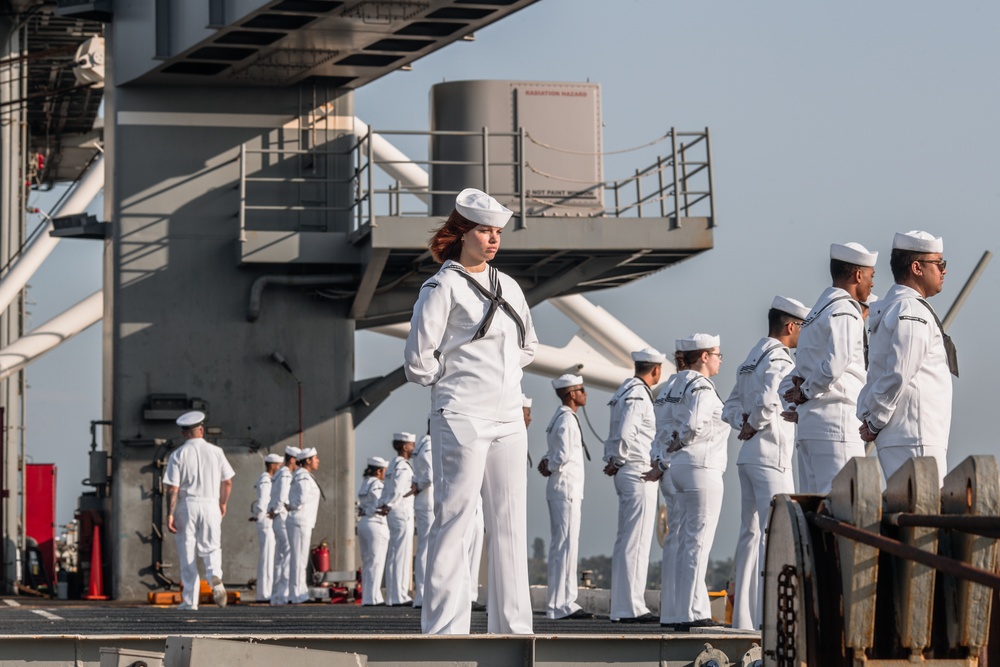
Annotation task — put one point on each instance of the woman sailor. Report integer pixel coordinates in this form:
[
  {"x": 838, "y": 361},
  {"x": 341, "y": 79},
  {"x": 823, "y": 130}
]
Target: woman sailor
[
  {"x": 696, "y": 467},
  {"x": 373, "y": 532},
  {"x": 470, "y": 336}
]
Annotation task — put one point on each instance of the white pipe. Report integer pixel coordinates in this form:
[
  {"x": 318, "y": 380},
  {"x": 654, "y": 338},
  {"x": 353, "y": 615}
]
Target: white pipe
[
  {"x": 48, "y": 336},
  {"x": 598, "y": 323},
  {"x": 395, "y": 163},
  {"x": 24, "y": 268}
]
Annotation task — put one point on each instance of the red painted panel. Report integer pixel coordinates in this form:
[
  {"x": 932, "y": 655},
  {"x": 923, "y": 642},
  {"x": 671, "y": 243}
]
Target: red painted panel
[{"x": 40, "y": 499}]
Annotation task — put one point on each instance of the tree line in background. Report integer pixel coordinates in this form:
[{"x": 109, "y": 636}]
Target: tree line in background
[{"x": 720, "y": 572}]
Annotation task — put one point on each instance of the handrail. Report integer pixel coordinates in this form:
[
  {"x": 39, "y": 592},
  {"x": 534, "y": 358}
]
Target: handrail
[{"x": 678, "y": 184}]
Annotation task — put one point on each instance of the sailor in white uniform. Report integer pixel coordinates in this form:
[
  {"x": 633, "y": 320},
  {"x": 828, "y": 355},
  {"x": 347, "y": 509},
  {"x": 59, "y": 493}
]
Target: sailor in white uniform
[
  {"x": 564, "y": 468},
  {"x": 303, "y": 506},
  {"x": 666, "y": 431},
  {"x": 470, "y": 336},
  {"x": 905, "y": 407},
  {"x": 754, "y": 410},
  {"x": 423, "y": 512},
  {"x": 627, "y": 457},
  {"x": 699, "y": 459},
  {"x": 373, "y": 532},
  {"x": 265, "y": 533},
  {"x": 198, "y": 481},
  {"x": 830, "y": 370},
  {"x": 281, "y": 483},
  {"x": 397, "y": 507}
]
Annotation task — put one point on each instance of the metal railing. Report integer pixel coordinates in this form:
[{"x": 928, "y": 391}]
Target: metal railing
[{"x": 674, "y": 186}]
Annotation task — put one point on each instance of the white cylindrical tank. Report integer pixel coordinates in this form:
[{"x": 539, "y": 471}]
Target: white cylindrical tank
[{"x": 561, "y": 170}]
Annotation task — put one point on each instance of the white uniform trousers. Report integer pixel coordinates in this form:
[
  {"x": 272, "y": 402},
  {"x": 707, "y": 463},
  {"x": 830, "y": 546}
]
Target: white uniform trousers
[
  {"x": 422, "y": 520},
  {"x": 299, "y": 536},
  {"x": 564, "y": 520},
  {"x": 892, "y": 459},
  {"x": 199, "y": 532},
  {"x": 399, "y": 561},
  {"x": 821, "y": 460},
  {"x": 630, "y": 560},
  {"x": 265, "y": 559},
  {"x": 474, "y": 456},
  {"x": 668, "y": 564},
  {"x": 699, "y": 490},
  {"x": 282, "y": 557},
  {"x": 758, "y": 485},
  {"x": 373, "y": 538},
  {"x": 474, "y": 544}
]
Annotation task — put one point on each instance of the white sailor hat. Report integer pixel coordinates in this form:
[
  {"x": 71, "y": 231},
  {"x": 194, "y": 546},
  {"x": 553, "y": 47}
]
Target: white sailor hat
[
  {"x": 191, "y": 419},
  {"x": 698, "y": 341},
  {"x": 377, "y": 461},
  {"x": 306, "y": 453},
  {"x": 403, "y": 436},
  {"x": 567, "y": 380},
  {"x": 525, "y": 401},
  {"x": 274, "y": 458},
  {"x": 649, "y": 355},
  {"x": 917, "y": 241},
  {"x": 292, "y": 451},
  {"x": 477, "y": 206},
  {"x": 790, "y": 306},
  {"x": 853, "y": 253},
  {"x": 871, "y": 300}
]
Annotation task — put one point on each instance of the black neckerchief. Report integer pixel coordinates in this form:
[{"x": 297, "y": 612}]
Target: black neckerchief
[
  {"x": 949, "y": 346},
  {"x": 577, "y": 418},
  {"x": 496, "y": 300},
  {"x": 321, "y": 494}
]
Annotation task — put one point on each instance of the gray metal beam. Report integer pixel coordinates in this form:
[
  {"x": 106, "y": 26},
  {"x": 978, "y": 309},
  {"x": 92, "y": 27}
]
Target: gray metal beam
[
  {"x": 369, "y": 282},
  {"x": 562, "y": 283},
  {"x": 367, "y": 395}
]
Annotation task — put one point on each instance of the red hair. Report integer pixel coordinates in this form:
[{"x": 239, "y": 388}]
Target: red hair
[{"x": 447, "y": 240}]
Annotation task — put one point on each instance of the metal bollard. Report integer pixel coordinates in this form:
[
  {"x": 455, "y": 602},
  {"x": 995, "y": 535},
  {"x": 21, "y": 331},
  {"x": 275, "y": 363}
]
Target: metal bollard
[
  {"x": 856, "y": 497},
  {"x": 914, "y": 489},
  {"x": 971, "y": 489}
]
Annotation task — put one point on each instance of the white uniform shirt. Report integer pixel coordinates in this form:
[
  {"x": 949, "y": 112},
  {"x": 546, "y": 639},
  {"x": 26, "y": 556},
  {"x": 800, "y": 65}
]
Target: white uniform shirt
[
  {"x": 480, "y": 378},
  {"x": 262, "y": 497},
  {"x": 565, "y": 456},
  {"x": 423, "y": 474},
  {"x": 756, "y": 395},
  {"x": 908, "y": 394},
  {"x": 633, "y": 424},
  {"x": 198, "y": 468},
  {"x": 663, "y": 408},
  {"x": 698, "y": 416},
  {"x": 830, "y": 358},
  {"x": 398, "y": 482},
  {"x": 280, "y": 486},
  {"x": 303, "y": 498},
  {"x": 370, "y": 497}
]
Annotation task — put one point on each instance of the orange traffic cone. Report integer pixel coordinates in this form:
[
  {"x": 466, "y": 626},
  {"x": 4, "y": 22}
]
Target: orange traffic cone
[{"x": 95, "y": 588}]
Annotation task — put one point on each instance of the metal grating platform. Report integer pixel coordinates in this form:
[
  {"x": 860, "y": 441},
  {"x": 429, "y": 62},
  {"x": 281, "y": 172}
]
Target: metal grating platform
[{"x": 49, "y": 633}]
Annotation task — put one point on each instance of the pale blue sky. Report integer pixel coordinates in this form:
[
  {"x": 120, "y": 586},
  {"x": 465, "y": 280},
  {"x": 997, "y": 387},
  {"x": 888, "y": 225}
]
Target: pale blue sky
[{"x": 830, "y": 122}]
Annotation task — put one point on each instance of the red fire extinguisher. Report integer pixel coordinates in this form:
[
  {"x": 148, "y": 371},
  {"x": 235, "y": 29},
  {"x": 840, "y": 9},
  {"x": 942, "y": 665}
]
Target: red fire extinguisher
[{"x": 321, "y": 557}]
